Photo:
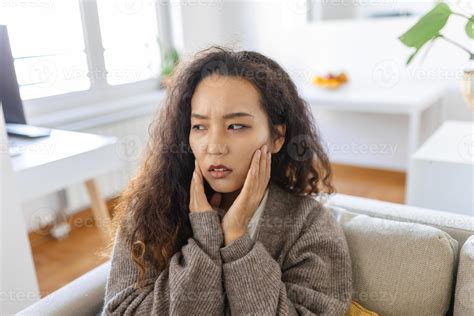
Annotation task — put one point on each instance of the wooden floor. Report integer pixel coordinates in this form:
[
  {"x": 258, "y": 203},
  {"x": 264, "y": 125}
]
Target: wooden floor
[
  {"x": 58, "y": 262},
  {"x": 371, "y": 183}
]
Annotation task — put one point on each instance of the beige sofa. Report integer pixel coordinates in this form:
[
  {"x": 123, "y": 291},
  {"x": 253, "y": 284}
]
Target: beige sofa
[{"x": 406, "y": 261}]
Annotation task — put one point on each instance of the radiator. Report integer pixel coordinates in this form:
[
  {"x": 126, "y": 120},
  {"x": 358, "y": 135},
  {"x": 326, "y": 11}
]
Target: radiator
[{"x": 132, "y": 136}]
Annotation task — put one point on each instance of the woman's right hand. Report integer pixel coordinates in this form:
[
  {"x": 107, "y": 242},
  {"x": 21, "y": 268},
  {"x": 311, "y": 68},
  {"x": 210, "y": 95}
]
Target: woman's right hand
[{"x": 198, "y": 200}]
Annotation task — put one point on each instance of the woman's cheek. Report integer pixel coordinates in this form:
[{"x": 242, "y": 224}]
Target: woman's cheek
[{"x": 196, "y": 148}]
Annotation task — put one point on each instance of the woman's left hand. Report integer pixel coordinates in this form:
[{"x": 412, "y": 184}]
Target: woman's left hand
[{"x": 236, "y": 219}]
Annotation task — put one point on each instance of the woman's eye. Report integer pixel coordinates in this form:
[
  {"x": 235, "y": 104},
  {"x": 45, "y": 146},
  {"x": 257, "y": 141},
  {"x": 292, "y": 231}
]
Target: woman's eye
[
  {"x": 241, "y": 126},
  {"x": 197, "y": 126},
  {"x": 194, "y": 127}
]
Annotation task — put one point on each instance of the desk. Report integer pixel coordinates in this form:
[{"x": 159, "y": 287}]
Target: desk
[
  {"x": 441, "y": 173},
  {"x": 407, "y": 98},
  {"x": 49, "y": 164}
]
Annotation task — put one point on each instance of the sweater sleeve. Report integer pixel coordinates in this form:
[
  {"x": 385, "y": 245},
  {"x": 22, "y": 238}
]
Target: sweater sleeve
[
  {"x": 192, "y": 284},
  {"x": 315, "y": 278}
]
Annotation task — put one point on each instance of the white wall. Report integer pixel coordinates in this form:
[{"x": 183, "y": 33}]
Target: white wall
[
  {"x": 367, "y": 50},
  {"x": 279, "y": 30}
]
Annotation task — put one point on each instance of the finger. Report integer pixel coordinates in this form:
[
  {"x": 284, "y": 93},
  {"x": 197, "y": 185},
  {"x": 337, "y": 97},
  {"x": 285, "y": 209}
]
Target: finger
[
  {"x": 251, "y": 178},
  {"x": 199, "y": 180},
  {"x": 192, "y": 191},
  {"x": 197, "y": 189},
  {"x": 197, "y": 170},
  {"x": 262, "y": 167},
  {"x": 257, "y": 168},
  {"x": 269, "y": 165},
  {"x": 201, "y": 198}
]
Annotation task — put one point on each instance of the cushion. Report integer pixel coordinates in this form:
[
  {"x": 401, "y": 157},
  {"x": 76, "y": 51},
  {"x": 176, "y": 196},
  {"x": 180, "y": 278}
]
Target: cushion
[
  {"x": 400, "y": 268},
  {"x": 341, "y": 214},
  {"x": 358, "y": 310},
  {"x": 464, "y": 294},
  {"x": 458, "y": 226}
]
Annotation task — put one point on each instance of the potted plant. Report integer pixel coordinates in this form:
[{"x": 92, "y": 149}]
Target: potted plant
[
  {"x": 170, "y": 58},
  {"x": 428, "y": 29}
]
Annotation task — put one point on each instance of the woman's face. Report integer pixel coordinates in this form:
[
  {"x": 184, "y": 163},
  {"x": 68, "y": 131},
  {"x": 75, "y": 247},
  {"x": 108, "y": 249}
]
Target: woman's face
[{"x": 227, "y": 126}]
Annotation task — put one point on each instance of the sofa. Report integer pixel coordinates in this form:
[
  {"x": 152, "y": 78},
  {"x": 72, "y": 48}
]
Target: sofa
[{"x": 406, "y": 261}]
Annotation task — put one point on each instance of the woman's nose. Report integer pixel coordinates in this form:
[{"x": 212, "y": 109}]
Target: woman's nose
[{"x": 216, "y": 144}]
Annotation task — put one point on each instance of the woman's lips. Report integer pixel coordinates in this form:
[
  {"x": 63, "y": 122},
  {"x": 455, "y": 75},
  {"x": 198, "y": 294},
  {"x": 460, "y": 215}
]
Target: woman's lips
[
  {"x": 219, "y": 171},
  {"x": 219, "y": 174}
]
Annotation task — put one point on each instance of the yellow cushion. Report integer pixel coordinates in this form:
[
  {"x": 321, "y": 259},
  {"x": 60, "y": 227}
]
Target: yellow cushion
[{"x": 357, "y": 310}]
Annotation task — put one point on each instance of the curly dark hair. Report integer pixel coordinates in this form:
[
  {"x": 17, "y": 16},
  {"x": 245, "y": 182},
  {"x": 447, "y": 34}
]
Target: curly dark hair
[{"x": 155, "y": 203}]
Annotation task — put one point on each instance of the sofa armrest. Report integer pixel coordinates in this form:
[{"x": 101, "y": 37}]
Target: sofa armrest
[{"x": 83, "y": 296}]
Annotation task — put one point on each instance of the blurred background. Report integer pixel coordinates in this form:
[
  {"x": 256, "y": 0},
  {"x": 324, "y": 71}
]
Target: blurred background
[{"x": 99, "y": 68}]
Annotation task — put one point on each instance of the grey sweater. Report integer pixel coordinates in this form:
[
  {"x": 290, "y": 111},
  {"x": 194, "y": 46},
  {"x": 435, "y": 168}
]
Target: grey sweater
[{"x": 298, "y": 264}]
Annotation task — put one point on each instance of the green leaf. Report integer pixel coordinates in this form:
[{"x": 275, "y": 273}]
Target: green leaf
[
  {"x": 427, "y": 28},
  {"x": 170, "y": 60},
  {"x": 470, "y": 27}
]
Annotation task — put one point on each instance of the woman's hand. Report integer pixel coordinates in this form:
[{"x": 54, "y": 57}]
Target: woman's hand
[
  {"x": 198, "y": 200},
  {"x": 235, "y": 221}
]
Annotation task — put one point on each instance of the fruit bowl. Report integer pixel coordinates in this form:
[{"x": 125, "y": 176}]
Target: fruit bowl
[{"x": 330, "y": 80}]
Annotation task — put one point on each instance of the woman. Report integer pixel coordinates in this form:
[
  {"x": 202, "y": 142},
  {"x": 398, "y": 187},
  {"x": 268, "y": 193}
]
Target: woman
[{"x": 218, "y": 219}]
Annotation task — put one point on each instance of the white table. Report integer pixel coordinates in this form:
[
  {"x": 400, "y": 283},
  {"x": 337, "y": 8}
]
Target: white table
[
  {"x": 441, "y": 173},
  {"x": 406, "y": 98},
  {"x": 49, "y": 164}
]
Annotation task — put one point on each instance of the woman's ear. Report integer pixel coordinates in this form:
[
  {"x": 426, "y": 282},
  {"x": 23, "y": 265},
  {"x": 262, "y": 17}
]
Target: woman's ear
[{"x": 279, "y": 140}]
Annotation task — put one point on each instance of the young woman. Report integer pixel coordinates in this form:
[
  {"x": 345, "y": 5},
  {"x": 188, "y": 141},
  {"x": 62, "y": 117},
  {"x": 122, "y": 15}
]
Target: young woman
[{"x": 218, "y": 220}]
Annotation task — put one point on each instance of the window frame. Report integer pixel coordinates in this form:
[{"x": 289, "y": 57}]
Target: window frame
[{"x": 100, "y": 91}]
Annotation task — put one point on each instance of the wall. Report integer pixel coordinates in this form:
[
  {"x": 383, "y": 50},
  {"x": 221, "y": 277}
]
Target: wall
[{"x": 368, "y": 50}]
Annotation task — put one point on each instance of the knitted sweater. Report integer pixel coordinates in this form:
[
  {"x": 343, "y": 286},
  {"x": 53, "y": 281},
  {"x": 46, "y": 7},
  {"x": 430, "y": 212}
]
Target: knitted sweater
[
  {"x": 252, "y": 228},
  {"x": 298, "y": 264}
]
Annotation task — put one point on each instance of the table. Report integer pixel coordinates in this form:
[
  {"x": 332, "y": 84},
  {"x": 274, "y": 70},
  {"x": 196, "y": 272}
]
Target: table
[
  {"x": 49, "y": 164},
  {"x": 406, "y": 98},
  {"x": 441, "y": 172}
]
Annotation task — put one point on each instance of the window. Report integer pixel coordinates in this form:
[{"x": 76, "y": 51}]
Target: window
[
  {"x": 88, "y": 46},
  {"x": 319, "y": 10},
  {"x": 130, "y": 40},
  {"x": 47, "y": 45}
]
